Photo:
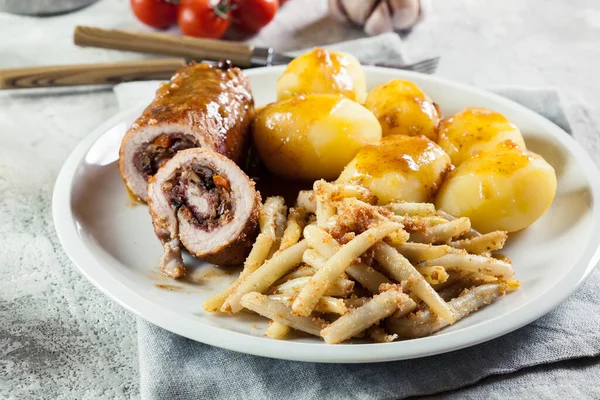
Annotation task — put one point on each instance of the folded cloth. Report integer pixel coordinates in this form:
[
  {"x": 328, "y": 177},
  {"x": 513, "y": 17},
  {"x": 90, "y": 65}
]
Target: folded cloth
[{"x": 173, "y": 367}]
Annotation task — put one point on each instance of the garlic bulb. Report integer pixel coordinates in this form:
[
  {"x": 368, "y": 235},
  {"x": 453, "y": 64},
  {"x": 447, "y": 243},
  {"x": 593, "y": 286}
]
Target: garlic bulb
[{"x": 379, "y": 16}]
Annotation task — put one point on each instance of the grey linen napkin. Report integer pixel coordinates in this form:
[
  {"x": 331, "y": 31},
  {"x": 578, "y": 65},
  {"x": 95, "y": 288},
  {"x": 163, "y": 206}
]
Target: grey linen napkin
[{"x": 173, "y": 367}]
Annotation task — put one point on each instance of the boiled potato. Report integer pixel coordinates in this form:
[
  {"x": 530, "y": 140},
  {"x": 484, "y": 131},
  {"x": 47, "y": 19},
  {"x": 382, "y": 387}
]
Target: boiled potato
[
  {"x": 403, "y": 109},
  {"x": 475, "y": 129},
  {"x": 323, "y": 71},
  {"x": 313, "y": 136},
  {"x": 507, "y": 189},
  {"x": 399, "y": 168}
]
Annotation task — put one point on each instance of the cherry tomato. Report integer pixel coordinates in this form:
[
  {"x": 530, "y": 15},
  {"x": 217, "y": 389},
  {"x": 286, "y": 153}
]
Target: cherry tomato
[
  {"x": 204, "y": 18},
  {"x": 157, "y": 13},
  {"x": 252, "y": 15}
]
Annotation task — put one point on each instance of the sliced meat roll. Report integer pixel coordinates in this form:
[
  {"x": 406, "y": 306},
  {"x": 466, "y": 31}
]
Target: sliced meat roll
[
  {"x": 201, "y": 106},
  {"x": 205, "y": 202}
]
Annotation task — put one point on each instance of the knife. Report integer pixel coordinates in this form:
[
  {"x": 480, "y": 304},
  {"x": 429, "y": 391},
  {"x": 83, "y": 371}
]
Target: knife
[{"x": 243, "y": 55}]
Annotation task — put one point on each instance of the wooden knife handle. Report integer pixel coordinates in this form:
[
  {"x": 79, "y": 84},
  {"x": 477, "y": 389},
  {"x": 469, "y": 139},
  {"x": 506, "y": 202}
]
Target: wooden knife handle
[
  {"x": 88, "y": 74},
  {"x": 159, "y": 43}
]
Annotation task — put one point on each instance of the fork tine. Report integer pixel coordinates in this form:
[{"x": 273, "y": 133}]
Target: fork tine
[
  {"x": 432, "y": 66},
  {"x": 419, "y": 65},
  {"x": 427, "y": 66},
  {"x": 423, "y": 68}
]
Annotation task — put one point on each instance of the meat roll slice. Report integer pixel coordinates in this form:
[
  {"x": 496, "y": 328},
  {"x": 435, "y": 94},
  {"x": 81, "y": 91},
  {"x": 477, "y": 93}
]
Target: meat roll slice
[
  {"x": 201, "y": 106},
  {"x": 205, "y": 202}
]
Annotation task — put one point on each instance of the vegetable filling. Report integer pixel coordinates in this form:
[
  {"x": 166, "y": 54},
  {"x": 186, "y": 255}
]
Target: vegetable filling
[
  {"x": 161, "y": 150},
  {"x": 201, "y": 197}
]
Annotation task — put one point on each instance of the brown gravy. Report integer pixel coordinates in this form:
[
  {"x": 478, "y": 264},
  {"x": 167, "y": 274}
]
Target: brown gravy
[
  {"x": 269, "y": 184},
  {"x": 170, "y": 288}
]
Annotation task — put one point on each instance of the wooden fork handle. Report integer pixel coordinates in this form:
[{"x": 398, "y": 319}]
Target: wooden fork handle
[
  {"x": 159, "y": 43},
  {"x": 88, "y": 74}
]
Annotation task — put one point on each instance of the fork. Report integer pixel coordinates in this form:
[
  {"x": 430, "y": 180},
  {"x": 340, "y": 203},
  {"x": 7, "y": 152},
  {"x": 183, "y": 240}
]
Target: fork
[
  {"x": 112, "y": 73},
  {"x": 426, "y": 66}
]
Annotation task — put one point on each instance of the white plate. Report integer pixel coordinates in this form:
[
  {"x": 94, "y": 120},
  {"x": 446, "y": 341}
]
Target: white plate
[{"x": 113, "y": 244}]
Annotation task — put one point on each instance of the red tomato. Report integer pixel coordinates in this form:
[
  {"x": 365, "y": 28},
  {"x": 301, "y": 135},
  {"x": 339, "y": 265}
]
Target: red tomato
[
  {"x": 252, "y": 15},
  {"x": 156, "y": 13},
  {"x": 204, "y": 18}
]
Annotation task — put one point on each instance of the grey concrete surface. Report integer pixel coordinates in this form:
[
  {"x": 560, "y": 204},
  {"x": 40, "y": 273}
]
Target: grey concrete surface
[{"x": 59, "y": 336}]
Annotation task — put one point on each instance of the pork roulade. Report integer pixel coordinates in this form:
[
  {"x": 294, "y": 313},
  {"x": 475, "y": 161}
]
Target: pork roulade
[
  {"x": 205, "y": 202},
  {"x": 201, "y": 106}
]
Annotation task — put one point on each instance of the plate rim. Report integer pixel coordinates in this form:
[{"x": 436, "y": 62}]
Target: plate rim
[{"x": 91, "y": 268}]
